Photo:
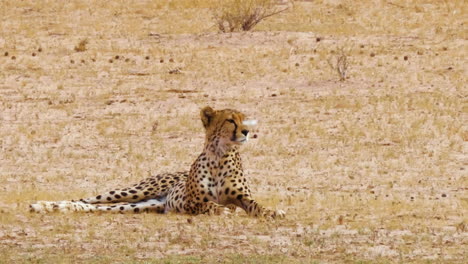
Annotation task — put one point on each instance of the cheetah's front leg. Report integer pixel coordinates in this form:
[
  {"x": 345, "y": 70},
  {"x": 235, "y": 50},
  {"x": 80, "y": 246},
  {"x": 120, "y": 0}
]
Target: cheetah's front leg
[
  {"x": 255, "y": 209},
  {"x": 216, "y": 209},
  {"x": 209, "y": 207}
]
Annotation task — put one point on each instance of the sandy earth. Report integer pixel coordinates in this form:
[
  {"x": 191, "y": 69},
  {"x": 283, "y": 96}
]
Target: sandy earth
[{"x": 372, "y": 169}]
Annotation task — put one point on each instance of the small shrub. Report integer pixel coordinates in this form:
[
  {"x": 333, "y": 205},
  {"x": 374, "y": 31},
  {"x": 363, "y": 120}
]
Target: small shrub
[
  {"x": 339, "y": 63},
  {"x": 81, "y": 45},
  {"x": 236, "y": 15}
]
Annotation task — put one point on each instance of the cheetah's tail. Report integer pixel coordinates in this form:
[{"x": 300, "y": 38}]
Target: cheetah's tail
[
  {"x": 151, "y": 205},
  {"x": 61, "y": 206}
]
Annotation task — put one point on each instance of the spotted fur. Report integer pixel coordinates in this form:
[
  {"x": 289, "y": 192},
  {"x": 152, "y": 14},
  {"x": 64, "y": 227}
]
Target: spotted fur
[{"x": 215, "y": 183}]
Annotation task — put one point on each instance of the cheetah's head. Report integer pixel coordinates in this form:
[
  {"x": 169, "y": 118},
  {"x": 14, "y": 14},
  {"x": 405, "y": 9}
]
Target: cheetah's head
[{"x": 229, "y": 126}]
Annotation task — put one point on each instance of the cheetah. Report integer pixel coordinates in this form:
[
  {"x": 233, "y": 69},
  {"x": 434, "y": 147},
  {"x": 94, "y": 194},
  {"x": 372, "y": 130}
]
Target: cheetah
[{"x": 215, "y": 184}]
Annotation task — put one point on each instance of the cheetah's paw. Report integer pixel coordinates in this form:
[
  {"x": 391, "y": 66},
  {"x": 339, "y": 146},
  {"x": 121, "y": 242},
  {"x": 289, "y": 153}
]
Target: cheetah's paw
[
  {"x": 279, "y": 214},
  {"x": 274, "y": 214},
  {"x": 224, "y": 211}
]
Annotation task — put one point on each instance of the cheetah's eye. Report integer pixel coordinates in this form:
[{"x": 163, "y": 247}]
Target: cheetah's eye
[{"x": 231, "y": 121}]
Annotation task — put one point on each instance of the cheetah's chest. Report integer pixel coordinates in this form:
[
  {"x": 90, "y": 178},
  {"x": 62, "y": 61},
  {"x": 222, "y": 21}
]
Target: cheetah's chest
[
  {"x": 220, "y": 178},
  {"x": 212, "y": 181}
]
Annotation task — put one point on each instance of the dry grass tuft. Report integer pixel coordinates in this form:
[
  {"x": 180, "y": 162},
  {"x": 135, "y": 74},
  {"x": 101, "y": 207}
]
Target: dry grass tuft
[{"x": 339, "y": 63}]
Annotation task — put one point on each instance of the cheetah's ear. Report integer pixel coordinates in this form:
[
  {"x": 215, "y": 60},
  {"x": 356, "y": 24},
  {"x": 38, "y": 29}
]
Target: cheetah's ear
[{"x": 207, "y": 114}]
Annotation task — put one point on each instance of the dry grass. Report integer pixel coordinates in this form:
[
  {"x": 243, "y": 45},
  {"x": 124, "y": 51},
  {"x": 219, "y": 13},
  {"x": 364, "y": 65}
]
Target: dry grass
[{"x": 369, "y": 170}]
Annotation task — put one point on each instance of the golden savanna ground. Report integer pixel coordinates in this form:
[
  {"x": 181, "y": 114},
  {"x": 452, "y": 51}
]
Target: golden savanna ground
[{"x": 372, "y": 169}]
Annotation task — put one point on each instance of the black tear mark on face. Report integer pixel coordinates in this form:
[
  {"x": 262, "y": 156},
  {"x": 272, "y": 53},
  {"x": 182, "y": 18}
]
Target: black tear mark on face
[
  {"x": 208, "y": 120},
  {"x": 233, "y": 138}
]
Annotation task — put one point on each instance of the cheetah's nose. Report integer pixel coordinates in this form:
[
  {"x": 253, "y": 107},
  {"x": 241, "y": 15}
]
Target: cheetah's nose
[{"x": 245, "y": 132}]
